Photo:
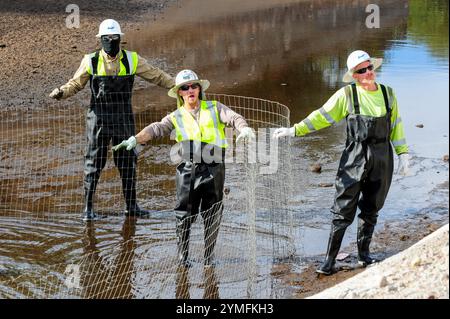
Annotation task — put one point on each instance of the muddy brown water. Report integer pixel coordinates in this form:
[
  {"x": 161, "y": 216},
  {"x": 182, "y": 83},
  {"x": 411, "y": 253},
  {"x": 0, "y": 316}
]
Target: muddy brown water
[{"x": 293, "y": 52}]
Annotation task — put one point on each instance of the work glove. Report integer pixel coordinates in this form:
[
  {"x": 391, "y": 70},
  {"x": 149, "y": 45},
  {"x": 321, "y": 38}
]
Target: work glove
[
  {"x": 403, "y": 164},
  {"x": 246, "y": 133},
  {"x": 129, "y": 144},
  {"x": 284, "y": 131},
  {"x": 56, "y": 94}
]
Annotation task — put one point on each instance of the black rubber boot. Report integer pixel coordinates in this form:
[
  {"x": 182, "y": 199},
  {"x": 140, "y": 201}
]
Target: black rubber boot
[
  {"x": 89, "y": 190},
  {"x": 334, "y": 244},
  {"x": 183, "y": 231},
  {"x": 211, "y": 231},
  {"x": 365, "y": 232}
]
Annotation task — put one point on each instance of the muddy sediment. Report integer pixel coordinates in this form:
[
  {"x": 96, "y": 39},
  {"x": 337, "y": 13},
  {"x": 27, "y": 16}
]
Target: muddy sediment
[{"x": 40, "y": 53}]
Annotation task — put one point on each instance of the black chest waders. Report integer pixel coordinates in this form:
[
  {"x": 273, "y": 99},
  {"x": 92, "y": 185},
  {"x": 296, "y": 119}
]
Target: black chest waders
[
  {"x": 110, "y": 119},
  {"x": 199, "y": 189},
  {"x": 363, "y": 179}
]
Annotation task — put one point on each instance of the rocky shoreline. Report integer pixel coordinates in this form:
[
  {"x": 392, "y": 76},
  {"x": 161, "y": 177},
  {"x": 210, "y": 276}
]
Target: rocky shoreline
[{"x": 419, "y": 272}]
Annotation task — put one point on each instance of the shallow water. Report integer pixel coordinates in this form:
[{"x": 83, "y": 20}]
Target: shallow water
[{"x": 292, "y": 52}]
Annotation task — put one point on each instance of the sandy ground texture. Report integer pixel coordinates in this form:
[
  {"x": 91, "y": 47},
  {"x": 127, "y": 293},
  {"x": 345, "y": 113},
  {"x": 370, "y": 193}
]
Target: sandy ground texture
[
  {"x": 420, "y": 272},
  {"x": 39, "y": 52}
]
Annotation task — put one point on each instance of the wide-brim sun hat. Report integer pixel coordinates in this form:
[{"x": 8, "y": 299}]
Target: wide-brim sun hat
[
  {"x": 355, "y": 58},
  {"x": 187, "y": 76}
]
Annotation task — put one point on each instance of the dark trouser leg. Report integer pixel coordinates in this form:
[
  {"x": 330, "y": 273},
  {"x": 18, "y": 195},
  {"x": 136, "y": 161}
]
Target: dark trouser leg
[
  {"x": 211, "y": 222},
  {"x": 126, "y": 162},
  {"x": 183, "y": 232},
  {"x": 94, "y": 162},
  {"x": 212, "y": 208},
  {"x": 374, "y": 192},
  {"x": 186, "y": 210},
  {"x": 344, "y": 211},
  {"x": 365, "y": 232}
]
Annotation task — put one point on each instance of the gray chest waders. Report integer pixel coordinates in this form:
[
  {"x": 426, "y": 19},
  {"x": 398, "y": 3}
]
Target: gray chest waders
[
  {"x": 199, "y": 188},
  {"x": 363, "y": 180},
  {"x": 110, "y": 119}
]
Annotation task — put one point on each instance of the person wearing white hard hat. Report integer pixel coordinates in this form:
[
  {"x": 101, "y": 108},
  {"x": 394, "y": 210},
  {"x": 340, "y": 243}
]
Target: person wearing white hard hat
[
  {"x": 111, "y": 73},
  {"x": 374, "y": 127},
  {"x": 199, "y": 129}
]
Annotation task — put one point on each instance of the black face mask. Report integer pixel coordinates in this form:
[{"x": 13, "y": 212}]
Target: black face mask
[{"x": 110, "y": 46}]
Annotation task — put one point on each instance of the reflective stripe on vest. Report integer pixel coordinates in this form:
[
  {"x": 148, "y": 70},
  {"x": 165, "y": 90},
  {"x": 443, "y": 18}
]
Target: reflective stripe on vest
[
  {"x": 127, "y": 57},
  {"x": 209, "y": 128}
]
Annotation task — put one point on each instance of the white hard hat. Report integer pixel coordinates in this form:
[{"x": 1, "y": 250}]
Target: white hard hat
[
  {"x": 187, "y": 76},
  {"x": 109, "y": 26},
  {"x": 355, "y": 58}
]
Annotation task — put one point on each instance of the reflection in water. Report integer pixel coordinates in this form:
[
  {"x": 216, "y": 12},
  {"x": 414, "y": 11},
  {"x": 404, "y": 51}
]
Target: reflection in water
[
  {"x": 210, "y": 283},
  {"x": 102, "y": 279}
]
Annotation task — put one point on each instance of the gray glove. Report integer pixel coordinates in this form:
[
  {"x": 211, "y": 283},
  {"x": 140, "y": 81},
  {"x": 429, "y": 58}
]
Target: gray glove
[{"x": 129, "y": 144}]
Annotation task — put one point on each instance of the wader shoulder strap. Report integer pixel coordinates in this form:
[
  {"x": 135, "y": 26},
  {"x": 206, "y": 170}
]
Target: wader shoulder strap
[
  {"x": 125, "y": 62},
  {"x": 355, "y": 98},
  {"x": 386, "y": 99},
  {"x": 94, "y": 61}
]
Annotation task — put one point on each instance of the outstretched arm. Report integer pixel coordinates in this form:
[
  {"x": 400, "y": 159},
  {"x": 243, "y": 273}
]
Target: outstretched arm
[
  {"x": 154, "y": 75},
  {"x": 75, "y": 84},
  {"x": 154, "y": 130}
]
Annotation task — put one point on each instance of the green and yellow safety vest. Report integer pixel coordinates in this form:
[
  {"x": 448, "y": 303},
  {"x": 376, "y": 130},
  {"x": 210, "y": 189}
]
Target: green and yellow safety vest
[
  {"x": 209, "y": 129},
  {"x": 341, "y": 104},
  {"x": 128, "y": 63}
]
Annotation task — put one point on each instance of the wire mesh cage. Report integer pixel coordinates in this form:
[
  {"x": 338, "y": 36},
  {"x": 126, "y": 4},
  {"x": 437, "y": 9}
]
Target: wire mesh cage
[{"x": 48, "y": 252}]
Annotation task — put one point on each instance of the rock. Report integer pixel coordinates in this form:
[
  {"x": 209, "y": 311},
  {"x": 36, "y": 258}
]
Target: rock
[
  {"x": 416, "y": 262},
  {"x": 383, "y": 282},
  {"x": 325, "y": 184},
  {"x": 2, "y": 46},
  {"x": 283, "y": 84},
  {"x": 226, "y": 190},
  {"x": 316, "y": 168},
  {"x": 392, "y": 288},
  {"x": 419, "y": 125},
  {"x": 445, "y": 158},
  {"x": 342, "y": 256},
  {"x": 404, "y": 237}
]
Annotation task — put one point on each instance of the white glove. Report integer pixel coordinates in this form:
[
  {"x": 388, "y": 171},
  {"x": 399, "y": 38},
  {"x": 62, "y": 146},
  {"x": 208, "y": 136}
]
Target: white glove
[
  {"x": 56, "y": 94},
  {"x": 246, "y": 133},
  {"x": 129, "y": 144},
  {"x": 284, "y": 131},
  {"x": 403, "y": 164}
]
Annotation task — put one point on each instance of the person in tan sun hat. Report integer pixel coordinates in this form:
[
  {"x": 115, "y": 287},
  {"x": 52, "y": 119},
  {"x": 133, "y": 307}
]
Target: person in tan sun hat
[
  {"x": 374, "y": 128},
  {"x": 199, "y": 128}
]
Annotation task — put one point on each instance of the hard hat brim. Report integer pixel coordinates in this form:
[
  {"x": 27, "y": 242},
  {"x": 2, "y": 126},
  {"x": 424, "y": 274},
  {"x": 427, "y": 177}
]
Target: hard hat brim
[{"x": 100, "y": 35}]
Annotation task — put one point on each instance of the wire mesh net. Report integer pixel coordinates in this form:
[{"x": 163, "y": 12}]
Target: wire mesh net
[{"x": 232, "y": 249}]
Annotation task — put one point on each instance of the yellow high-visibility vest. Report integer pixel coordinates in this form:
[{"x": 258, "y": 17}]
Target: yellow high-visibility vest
[
  {"x": 209, "y": 128},
  {"x": 126, "y": 57}
]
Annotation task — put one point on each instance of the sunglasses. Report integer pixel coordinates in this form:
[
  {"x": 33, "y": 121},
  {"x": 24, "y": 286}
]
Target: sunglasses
[
  {"x": 112, "y": 37},
  {"x": 364, "y": 70},
  {"x": 186, "y": 87}
]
